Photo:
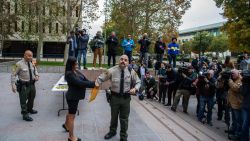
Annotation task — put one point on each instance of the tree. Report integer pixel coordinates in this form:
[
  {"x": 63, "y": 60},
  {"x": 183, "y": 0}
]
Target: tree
[
  {"x": 155, "y": 17},
  {"x": 186, "y": 47},
  {"x": 219, "y": 44},
  {"x": 6, "y": 21},
  {"x": 237, "y": 27},
  {"x": 201, "y": 42}
]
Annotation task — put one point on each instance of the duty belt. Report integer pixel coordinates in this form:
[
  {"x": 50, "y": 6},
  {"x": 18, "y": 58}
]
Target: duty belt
[
  {"x": 124, "y": 95},
  {"x": 27, "y": 83}
]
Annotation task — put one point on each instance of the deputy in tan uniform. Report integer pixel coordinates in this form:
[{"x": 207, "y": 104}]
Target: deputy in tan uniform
[
  {"x": 23, "y": 78},
  {"x": 124, "y": 82}
]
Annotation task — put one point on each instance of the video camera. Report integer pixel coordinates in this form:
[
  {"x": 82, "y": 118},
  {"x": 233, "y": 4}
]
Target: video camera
[
  {"x": 183, "y": 69},
  {"x": 226, "y": 75}
]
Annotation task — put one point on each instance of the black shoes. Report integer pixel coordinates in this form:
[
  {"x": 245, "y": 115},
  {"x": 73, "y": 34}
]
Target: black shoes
[
  {"x": 173, "y": 109},
  {"x": 78, "y": 139},
  {"x": 33, "y": 112},
  {"x": 27, "y": 118},
  {"x": 109, "y": 135},
  {"x": 123, "y": 139},
  {"x": 168, "y": 104},
  {"x": 64, "y": 127}
]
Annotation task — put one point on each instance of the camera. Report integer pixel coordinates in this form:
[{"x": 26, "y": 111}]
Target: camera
[
  {"x": 226, "y": 75},
  {"x": 183, "y": 69}
]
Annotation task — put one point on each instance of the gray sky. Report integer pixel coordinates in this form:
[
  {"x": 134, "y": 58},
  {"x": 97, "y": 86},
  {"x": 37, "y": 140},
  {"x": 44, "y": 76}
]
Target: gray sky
[{"x": 201, "y": 12}]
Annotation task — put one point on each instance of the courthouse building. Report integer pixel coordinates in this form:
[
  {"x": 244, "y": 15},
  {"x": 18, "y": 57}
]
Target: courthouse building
[{"x": 53, "y": 28}]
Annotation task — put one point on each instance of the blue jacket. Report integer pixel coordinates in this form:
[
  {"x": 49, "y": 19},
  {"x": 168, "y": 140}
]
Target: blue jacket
[
  {"x": 128, "y": 45},
  {"x": 83, "y": 42},
  {"x": 72, "y": 43},
  {"x": 173, "y": 48}
]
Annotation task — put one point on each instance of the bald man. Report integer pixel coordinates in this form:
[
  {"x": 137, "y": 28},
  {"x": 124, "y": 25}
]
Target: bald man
[
  {"x": 235, "y": 100},
  {"x": 124, "y": 82},
  {"x": 23, "y": 78}
]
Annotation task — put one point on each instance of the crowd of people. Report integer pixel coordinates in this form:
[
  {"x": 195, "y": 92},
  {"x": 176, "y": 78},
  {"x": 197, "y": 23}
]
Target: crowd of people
[
  {"x": 78, "y": 46},
  {"x": 211, "y": 82}
]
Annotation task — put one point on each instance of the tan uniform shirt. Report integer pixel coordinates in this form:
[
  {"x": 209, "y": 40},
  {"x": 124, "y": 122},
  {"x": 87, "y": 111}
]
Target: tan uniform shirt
[
  {"x": 21, "y": 70},
  {"x": 114, "y": 75}
]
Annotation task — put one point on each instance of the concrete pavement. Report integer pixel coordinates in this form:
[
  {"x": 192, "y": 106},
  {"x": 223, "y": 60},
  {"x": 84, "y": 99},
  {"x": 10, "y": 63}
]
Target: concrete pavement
[{"x": 149, "y": 120}]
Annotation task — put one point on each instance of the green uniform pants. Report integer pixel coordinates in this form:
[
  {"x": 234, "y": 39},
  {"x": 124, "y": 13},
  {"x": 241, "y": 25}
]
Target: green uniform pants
[
  {"x": 185, "y": 100},
  {"x": 27, "y": 96},
  {"x": 120, "y": 106}
]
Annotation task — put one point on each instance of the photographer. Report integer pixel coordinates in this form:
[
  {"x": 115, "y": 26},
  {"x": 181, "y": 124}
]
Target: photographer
[
  {"x": 206, "y": 90},
  {"x": 162, "y": 76},
  {"x": 82, "y": 48},
  {"x": 144, "y": 42},
  {"x": 98, "y": 48},
  {"x": 185, "y": 88},
  {"x": 150, "y": 86},
  {"x": 245, "y": 107},
  {"x": 235, "y": 101},
  {"x": 171, "y": 83}
]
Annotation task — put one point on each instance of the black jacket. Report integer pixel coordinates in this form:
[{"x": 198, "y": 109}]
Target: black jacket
[
  {"x": 144, "y": 45},
  {"x": 112, "y": 43},
  {"x": 245, "y": 90},
  {"x": 160, "y": 47},
  {"x": 77, "y": 83},
  {"x": 150, "y": 83}
]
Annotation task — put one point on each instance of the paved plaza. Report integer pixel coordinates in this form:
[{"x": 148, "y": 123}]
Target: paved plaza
[{"x": 148, "y": 121}]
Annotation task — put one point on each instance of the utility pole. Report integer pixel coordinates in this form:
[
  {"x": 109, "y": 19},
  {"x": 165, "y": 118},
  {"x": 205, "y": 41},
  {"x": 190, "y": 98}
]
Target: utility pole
[{"x": 105, "y": 28}]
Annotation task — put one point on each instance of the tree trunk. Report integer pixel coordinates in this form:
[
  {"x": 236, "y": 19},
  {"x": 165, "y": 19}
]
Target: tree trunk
[
  {"x": 40, "y": 34},
  {"x": 69, "y": 23}
]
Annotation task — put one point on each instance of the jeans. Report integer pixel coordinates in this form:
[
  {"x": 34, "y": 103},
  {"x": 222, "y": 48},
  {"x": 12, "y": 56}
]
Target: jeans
[
  {"x": 71, "y": 53},
  {"x": 129, "y": 54},
  {"x": 172, "y": 57},
  {"x": 82, "y": 54},
  {"x": 245, "y": 113},
  {"x": 109, "y": 58},
  {"x": 144, "y": 58},
  {"x": 209, "y": 101},
  {"x": 236, "y": 121}
]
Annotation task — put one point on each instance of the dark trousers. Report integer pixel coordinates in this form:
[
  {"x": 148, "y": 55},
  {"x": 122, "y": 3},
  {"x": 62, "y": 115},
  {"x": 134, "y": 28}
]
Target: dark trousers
[
  {"x": 172, "y": 57},
  {"x": 109, "y": 59},
  {"x": 151, "y": 94},
  {"x": 209, "y": 101},
  {"x": 120, "y": 106},
  {"x": 129, "y": 54},
  {"x": 198, "y": 105},
  {"x": 223, "y": 107},
  {"x": 27, "y": 96},
  {"x": 162, "y": 92},
  {"x": 171, "y": 93},
  {"x": 245, "y": 115},
  {"x": 236, "y": 121},
  {"x": 159, "y": 57}
]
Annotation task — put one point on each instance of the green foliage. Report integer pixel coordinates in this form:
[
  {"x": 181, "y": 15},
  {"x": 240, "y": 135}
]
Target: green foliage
[
  {"x": 238, "y": 25},
  {"x": 219, "y": 44},
  {"x": 201, "y": 42},
  {"x": 136, "y": 17},
  {"x": 186, "y": 47}
]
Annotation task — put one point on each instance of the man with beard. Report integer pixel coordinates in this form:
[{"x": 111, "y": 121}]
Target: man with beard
[
  {"x": 124, "y": 82},
  {"x": 150, "y": 86}
]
